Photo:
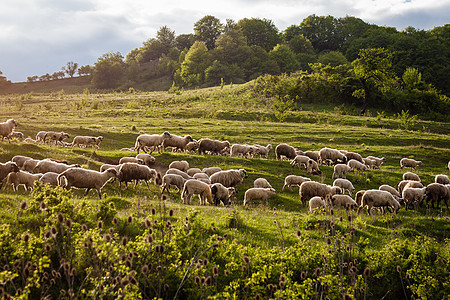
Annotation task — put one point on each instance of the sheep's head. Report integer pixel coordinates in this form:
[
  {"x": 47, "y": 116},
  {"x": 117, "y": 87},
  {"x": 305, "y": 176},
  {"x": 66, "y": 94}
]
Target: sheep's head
[
  {"x": 13, "y": 167},
  {"x": 243, "y": 173},
  {"x": 114, "y": 173},
  {"x": 189, "y": 138},
  {"x": 12, "y": 122},
  {"x": 100, "y": 138},
  {"x": 166, "y": 135}
]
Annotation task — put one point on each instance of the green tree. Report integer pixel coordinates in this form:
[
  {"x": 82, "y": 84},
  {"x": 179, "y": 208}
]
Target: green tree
[
  {"x": 332, "y": 58},
  {"x": 70, "y": 68},
  {"x": 258, "y": 63},
  {"x": 85, "y": 70},
  {"x": 285, "y": 58},
  {"x": 108, "y": 71},
  {"x": 184, "y": 41},
  {"x": 300, "y": 44},
  {"x": 413, "y": 78},
  {"x": 324, "y": 32},
  {"x": 196, "y": 61},
  {"x": 208, "y": 29},
  {"x": 166, "y": 37},
  {"x": 260, "y": 32}
]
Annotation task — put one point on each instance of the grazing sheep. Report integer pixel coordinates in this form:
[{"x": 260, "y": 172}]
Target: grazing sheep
[
  {"x": 229, "y": 178},
  {"x": 390, "y": 189},
  {"x": 402, "y": 184},
  {"x": 105, "y": 167},
  {"x": 294, "y": 179},
  {"x": 20, "y": 160},
  {"x": 179, "y": 172},
  {"x": 356, "y": 166},
  {"x": 411, "y": 176},
  {"x": 378, "y": 161},
  {"x": 262, "y": 151},
  {"x": 30, "y": 164},
  {"x": 16, "y": 135},
  {"x": 442, "y": 179},
  {"x": 331, "y": 155},
  {"x": 6, "y": 168},
  {"x": 358, "y": 197},
  {"x": 262, "y": 194},
  {"x": 285, "y": 150},
  {"x": 378, "y": 198},
  {"x": 146, "y": 158},
  {"x": 133, "y": 171},
  {"x": 261, "y": 183},
  {"x": 86, "y": 179},
  {"x": 341, "y": 170},
  {"x": 312, "y": 167},
  {"x": 435, "y": 192},
  {"x": 300, "y": 160},
  {"x": 195, "y": 187},
  {"x": 40, "y": 136},
  {"x": 6, "y": 128},
  {"x": 220, "y": 193},
  {"x": 314, "y": 155},
  {"x": 355, "y": 156},
  {"x": 316, "y": 202},
  {"x": 172, "y": 180},
  {"x": 50, "y": 178},
  {"x": 178, "y": 143},
  {"x": 22, "y": 178},
  {"x": 409, "y": 163},
  {"x": 212, "y": 146},
  {"x": 309, "y": 189},
  {"x": 413, "y": 196},
  {"x": 48, "y": 165},
  {"x": 343, "y": 201},
  {"x": 55, "y": 136},
  {"x": 191, "y": 146},
  {"x": 85, "y": 141},
  {"x": 370, "y": 163},
  {"x": 150, "y": 141},
  {"x": 181, "y": 165},
  {"x": 211, "y": 170},
  {"x": 200, "y": 175},
  {"x": 413, "y": 184},
  {"x": 242, "y": 150},
  {"x": 192, "y": 171},
  {"x": 345, "y": 185},
  {"x": 130, "y": 159}
]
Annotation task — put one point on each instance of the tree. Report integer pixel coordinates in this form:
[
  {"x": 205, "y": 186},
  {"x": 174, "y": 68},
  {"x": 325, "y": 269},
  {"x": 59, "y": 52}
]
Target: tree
[
  {"x": 32, "y": 78},
  {"x": 166, "y": 37},
  {"x": 285, "y": 58},
  {"x": 196, "y": 61},
  {"x": 3, "y": 80},
  {"x": 208, "y": 29},
  {"x": 184, "y": 41},
  {"x": 70, "y": 68},
  {"x": 259, "y": 32},
  {"x": 108, "y": 71},
  {"x": 300, "y": 44},
  {"x": 57, "y": 75},
  {"x": 325, "y": 33},
  {"x": 332, "y": 58},
  {"x": 85, "y": 70}
]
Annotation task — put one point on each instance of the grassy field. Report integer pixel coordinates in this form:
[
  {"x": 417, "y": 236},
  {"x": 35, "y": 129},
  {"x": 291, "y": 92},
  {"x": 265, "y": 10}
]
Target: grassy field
[{"x": 279, "y": 251}]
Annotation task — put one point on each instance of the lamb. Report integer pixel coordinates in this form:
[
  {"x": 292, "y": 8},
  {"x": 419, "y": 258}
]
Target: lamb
[
  {"x": 442, "y": 179},
  {"x": 172, "y": 180},
  {"x": 314, "y": 155},
  {"x": 229, "y": 178},
  {"x": 411, "y": 176},
  {"x": 300, "y": 160},
  {"x": 409, "y": 163},
  {"x": 341, "y": 170},
  {"x": 130, "y": 159},
  {"x": 390, "y": 189},
  {"x": 377, "y": 198},
  {"x": 30, "y": 164},
  {"x": 285, "y": 150},
  {"x": 50, "y": 178},
  {"x": 312, "y": 167},
  {"x": 262, "y": 194},
  {"x": 86, "y": 179},
  {"x": 6, "y": 168},
  {"x": 181, "y": 165},
  {"x": 213, "y": 146},
  {"x": 86, "y": 141},
  {"x": 178, "y": 172},
  {"x": 211, "y": 170},
  {"x": 413, "y": 196},
  {"x": 16, "y": 135},
  {"x": 47, "y": 165},
  {"x": 177, "y": 142},
  {"x": 378, "y": 161},
  {"x": 22, "y": 178},
  {"x": 220, "y": 193},
  {"x": 153, "y": 141},
  {"x": 309, "y": 189},
  {"x": 242, "y": 150},
  {"x": 133, "y": 171},
  {"x": 261, "y": 183},
  {"x": 261, "y": 150},
  {"x": 40, "y": 136},
  {"x": 370, "y": 163},
  {"x": 146, "y": 158},
  {"x": 20, "y": 160},
  {"x": 191, "y": 146},
  {"x": 56, "y": 136},
  {"x": 355, "y": 156},
  {"x": 345, "y": 185},
  {"x": 294, "y": 179},
  {"x": 6, "y": 128},
  {"x": 435, "y": 192},
  {"x": 192, "y": 171},
  {"x": 195, "y": 187},
  {"x": 316, "y": 202},
  {"x": 332, "y": 155},
  {"x": 343, "y": 201},
  {"x": 356, "y": 165}
]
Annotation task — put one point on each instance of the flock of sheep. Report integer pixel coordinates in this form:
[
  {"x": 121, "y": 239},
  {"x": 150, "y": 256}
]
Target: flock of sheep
[{"x": 214, "y": 185}]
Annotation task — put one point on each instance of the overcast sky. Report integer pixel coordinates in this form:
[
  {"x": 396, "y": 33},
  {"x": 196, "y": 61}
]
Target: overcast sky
[{"x": 41, "y": 36}]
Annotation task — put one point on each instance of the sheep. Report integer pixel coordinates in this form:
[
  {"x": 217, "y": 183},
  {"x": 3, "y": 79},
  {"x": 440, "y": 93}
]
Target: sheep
[
  {"x": 378, "y": 198},
  {"x": 172, "y": 180},
  {"x": 146, "y": 158},
  {"x": 213, "y": 146},
  {"x": 312, "y": 167},
  {"x": 86, "y": 179},
  {"x": 341, "y": 170},
  {"x": 50, "y": 178},
  {"x": 22, "y": 178},
  {"x": 191, "y": 146},
  {"x": 220, "y": 193},
  {"x": 402, "y": 184},
  {"x": 333, "y": 155},
  {"x": 242, "y": 150},
  {"x": 29, "y": 141},
  {"x": 55, "y": 136},
  {"x": 448, "y": 165},
  {"x": 229, "y": 178},
  {"x": 413, "y": 184},
  {"x": 314, "y": 155},
  {"x": 16, "y": 135},
  {"x": 131, "y": 159},
  {"x": 356, "y": 166},
  {"x": 86, "y": 141},
  {"x": 47, "y": 165},
  {"x": 355, "y": 156},
  {"x": 390, "y": 189},
  {"x": 133, "y": 171},
  {"x": 177, "y": 142},
  {"x": 261, "y": 150},
  {"x": 378, "y": 161},
  {"x": 192, "y": 171},
  {"x": 195, "y": 187},
  {"x": 345, "y": 185},
  {"x": 358, "y": 197},
  {"x": 146, "y": 141},
  {"x": 316, "y": 202},
  {"x": 6, "y": 128},
  {"x": 309, "y": 189},
  {"x": 409, "y": 163},
  {"x": 411, "y": 176},
  {"x": 413, "y": 196},
  {"x": 40, "y": 136},
  {"x": 300, "y": 160},
  {"x": 178, "y": 172},
  {"x": 20, "y": 160},
  {"x": 200, "y": 175},
  {"x": 285, "y": 150},
  {"x": 211, "y": 170},
  {"x": 30, "y": 164},
  {"x": 370, "y": 163},
  {"x": 435, "y": 192},
  {"x": 262, "y": 194},
  {"x": 343, "y": 201},
  {"x": 294, "y": 179},
  {"x": 261, "y": 183},
  {"x": 181, "y": 165},
  {"x": 105, "y": 167},
  {"x": 442, "y": 179},
  {"x": 6, "y": 168}
]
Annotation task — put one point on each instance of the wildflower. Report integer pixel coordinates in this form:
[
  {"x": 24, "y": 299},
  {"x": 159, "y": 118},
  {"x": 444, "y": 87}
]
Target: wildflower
[
  {"x": 171, "y": 213},
  {"x": 23, "y": 205},
  {"x": 246, "y": 259},
  {"x": 53, "y": 231},
  {"x": 69, "y": 223},
  {"x": 147, "y": 223},
  {"x": 299, "y": 233},
  {"x": 129, "y": 219},
  {"x": 197, "y": 280},
  {"x": 317, "y": 272},
  {"x": 124, "y": 241},
  {"x": 302, "y": 275},
  {"x": 153, "y": 211},
  {"x": 100, "y": 224},
  {"x": 84, "y": 227},
  {"x": 399, "y": 269},
  {"x": 166, "y": 287},
  {"x": 26, "y": 237},
  {"x": 107, "y": 238},
  {"x": 43, "y": 206},
  {"x": 115, "y": 221},
  {"x": 366, "y": 272},
  {"x": 60, "y": 218},
  {"x": 208, "y": 280}
]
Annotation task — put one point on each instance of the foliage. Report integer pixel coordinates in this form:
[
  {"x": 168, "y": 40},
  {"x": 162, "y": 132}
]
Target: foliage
[
  {"x": 285, "y": 58},
  {"x": 259, "y": 32},
  {"x": 207, "y": 30},
  {"x": 108, "y": 71},
  {"x": 196, "y": 61}
]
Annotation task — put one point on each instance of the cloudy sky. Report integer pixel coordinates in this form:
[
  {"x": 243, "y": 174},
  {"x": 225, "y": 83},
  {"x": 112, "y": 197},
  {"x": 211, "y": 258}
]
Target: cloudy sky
[{"x": 41, "y": 36}]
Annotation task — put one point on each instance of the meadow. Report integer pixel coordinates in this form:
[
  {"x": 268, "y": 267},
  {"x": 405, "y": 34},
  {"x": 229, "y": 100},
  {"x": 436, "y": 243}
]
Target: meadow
[{"x": 137, "y": 243}]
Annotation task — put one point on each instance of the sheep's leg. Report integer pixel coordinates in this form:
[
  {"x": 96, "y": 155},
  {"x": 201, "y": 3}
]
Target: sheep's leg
[
  {"x": 99, "y": 194},
  {"x": 146, "y": 182},
  {"x": 85, "y": 193}
]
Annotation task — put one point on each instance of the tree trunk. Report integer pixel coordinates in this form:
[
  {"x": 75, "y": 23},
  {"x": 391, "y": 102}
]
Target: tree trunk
[{"x": 366, "y": 96}]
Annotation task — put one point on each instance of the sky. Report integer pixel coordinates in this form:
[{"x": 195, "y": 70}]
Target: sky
[{"x": 42, "y": 36}]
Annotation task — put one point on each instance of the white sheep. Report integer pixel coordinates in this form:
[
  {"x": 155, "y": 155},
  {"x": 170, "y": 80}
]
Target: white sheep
[
  {"x": 146, "y": 158},
  {"x": 50, "y": 178},
  {"x": 211, "y": 170},
  {"x": 181, "y": 165},
  {"x": 309, "y": 189},
  {"x": 331, "y": 155},
  {"x": 378, "y": 198},
  {"x": 354, "y": 155},
  {"x": 261, "y": 183},
  {"x": 316, "y": 202},
  {"x": 178, "y": 143},
  {"x": 314, "y": 155},
  {"x": 442, "y": 179},
  {"x": 390, "y": 189},
  {"x": 370, "y": 163},
  {"x": 341, "y": 170},
  {"x": 312, "y": 167},
  {"x": 40, "y": 136},
  {"x": 262, "y": 151},
  {"x": 132, "y": 171},
  {"x": 191, "y": 146},
  {"x": 6, "y": 168},
  {"x": 345, "y": 185},
  {"x": 410, "y": 176},
  {"x": 358, "y": 197},
  {"x": 294, "y": 179},
  {"x": 86, "y": 179},
  {"x": 20, "y": 160},
  {"x": 413, "y": 196},
  {"x": 343, "y": 201},
  {"x": 16, "y": 135},
  {"x": 105, "y": 167},
  {"x": 262, "y": 194},
  {"x": 6, "y": 128},
  {"x": 212, "y": 146},
  {"x": 48, "y": 165},
  {"x": 412, "y": 184},
  {"x": 172, "y": 180},
  {"x": 192, "y": 171},
  {"x": 130, "y": 159},
  {"x": 178, "y": 172},
  {"x": 220, "y": 193},
  {"x": 200, "y": 175},
  {"x": 195, "y": 187},
  {"x": 356, "y": 165},
  {"x": 409, "y": 163},
  {"x": 300, "y": 160},
  {"x": 229, "y": 178},
  {"x": 30, "y": 164},
  {"x": 242, "y": 150},
  {"x": 150, "y": 141},
  {"x": 85, "y": 141},
  {"x": 285, "y": 150},
  {"x": 22, "y": 178},
  {"x": 55, "y": 136},
  {"x": 379, "y": 160}
]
